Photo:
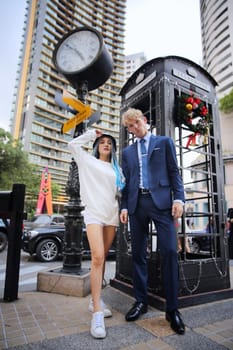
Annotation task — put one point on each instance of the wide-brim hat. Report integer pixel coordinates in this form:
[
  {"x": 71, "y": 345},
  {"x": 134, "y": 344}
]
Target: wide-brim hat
[{"x": 105, "y": 135}]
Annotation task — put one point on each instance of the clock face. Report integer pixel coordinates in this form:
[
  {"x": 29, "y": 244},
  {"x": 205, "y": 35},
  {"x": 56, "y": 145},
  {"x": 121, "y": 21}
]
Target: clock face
[{"x": 77, "y": 51}]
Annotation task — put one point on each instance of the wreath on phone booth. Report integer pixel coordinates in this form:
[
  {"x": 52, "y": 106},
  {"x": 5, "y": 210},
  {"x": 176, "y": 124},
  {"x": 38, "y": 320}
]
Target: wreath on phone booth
[{"x": 194, "y": 114}]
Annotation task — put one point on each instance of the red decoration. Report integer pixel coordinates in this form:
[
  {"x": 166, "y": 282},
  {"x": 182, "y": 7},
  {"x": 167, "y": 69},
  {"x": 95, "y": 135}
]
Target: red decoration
[
  {"x": 45, "y": 195},
  {"x": 192, "y": 140},
  {"x": 194, "y": 115}
]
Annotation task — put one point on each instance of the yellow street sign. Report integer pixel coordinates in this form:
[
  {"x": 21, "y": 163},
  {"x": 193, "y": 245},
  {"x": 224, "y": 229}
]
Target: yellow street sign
[
  {"x": 73, "y": 102},
  {"x": 77, "y": 119}
]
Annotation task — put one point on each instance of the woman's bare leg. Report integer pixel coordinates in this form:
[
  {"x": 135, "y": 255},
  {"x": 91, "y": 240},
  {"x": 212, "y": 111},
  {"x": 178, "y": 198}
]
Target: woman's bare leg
[
  {"x": 100, "y": 240},
  {"x": 109, "y": 235},
  {"x": 96, "y": 242}
]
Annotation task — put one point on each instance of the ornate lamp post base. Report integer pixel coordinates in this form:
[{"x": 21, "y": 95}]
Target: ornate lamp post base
[
  {"x": 76, "y": 283},
  {"x": 72, "y": 252}
]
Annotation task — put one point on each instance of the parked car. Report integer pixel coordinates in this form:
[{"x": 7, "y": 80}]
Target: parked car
[
  {"x": 4, "y": 227},
  {"x": 3, "y": 234},
  {"x": 47, "y": 243},
  {"x": 200, "y": 240},
  {"x": 44, "y": 220}
]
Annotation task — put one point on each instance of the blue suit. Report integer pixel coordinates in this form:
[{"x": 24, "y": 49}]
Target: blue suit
[{"x": 165, "y": 185}]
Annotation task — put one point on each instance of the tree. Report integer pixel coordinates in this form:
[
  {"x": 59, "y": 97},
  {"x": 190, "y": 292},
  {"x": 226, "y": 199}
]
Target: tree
[
  {"x": 15, "y": 167},
  {"x": 226, "y": 103}
]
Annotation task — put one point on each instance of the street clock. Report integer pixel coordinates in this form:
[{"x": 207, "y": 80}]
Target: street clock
[{"x": 81, "y": 55}]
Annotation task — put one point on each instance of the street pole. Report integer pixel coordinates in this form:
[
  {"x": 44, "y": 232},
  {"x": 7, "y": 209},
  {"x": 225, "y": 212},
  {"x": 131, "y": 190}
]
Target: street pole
[
  {"x": 83, "y": 59},
  {"x": 72, "y": 250}
]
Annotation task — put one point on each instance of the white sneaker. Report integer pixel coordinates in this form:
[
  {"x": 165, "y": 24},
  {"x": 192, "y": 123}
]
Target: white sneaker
[
  {"x": 97, "y": 325},
  {"x": 107, "y": 312}
]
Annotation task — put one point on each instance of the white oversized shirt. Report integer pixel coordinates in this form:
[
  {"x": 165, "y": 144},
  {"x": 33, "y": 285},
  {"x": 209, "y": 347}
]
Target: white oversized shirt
[{"x": 97, "y": 181}]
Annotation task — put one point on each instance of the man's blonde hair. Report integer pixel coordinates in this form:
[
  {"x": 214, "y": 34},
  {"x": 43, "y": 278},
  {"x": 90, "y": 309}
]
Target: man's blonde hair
[{"x": 131, "y": 114}]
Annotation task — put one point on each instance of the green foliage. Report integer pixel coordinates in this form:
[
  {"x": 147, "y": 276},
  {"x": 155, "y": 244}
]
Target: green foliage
[
  {"x": 55, "y": 189},
  {"x": 14, "y": 165},
  {"x": 15, "y": 168},
  {"x": 226, "y": 103}
]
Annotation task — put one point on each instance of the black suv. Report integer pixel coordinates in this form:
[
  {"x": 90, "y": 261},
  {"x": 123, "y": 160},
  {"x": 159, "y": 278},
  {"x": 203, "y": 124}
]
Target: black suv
[
  {"x": 46, "y": 242},
  {"x": 3, "y": 234},
  {"x": 200, "y": 240},
  {"x": 43, "y": 236}
]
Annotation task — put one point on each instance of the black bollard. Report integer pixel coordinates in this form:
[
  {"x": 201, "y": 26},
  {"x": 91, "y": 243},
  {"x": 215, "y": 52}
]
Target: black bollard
[{"x": 14, "y": 206}]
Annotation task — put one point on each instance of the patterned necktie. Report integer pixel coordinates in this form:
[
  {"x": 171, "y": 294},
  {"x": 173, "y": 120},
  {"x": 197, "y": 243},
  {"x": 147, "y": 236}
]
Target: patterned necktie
[{"x": 144, "y": 164}]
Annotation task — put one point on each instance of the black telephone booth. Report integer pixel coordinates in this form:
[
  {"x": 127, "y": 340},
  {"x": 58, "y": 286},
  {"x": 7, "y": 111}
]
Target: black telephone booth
[{"x": 178, "y": 98}]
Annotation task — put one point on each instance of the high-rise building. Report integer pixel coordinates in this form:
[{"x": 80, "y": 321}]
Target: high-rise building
[
  {"x": 217, "y": 45},
  {"x": 217, "y": 42},
  {"x": 132, "y": 63},
  {"x": 36, "y": 118}
]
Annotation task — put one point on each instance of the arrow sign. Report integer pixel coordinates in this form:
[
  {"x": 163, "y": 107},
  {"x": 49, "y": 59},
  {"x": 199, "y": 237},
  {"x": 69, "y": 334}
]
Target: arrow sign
[
  {"x": 95, "y": 117},
  {"x": 77, "y": 119},
  {"x": 60, "y": 103},
  {"x": 73, "y": 102},
  {"x": 85, "y": 111}
]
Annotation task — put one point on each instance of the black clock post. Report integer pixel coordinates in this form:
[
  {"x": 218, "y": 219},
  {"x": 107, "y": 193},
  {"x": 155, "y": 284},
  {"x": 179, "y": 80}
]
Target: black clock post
[
  {"x": 72, "y": 250},
  {"x": 83, "y": 59}
]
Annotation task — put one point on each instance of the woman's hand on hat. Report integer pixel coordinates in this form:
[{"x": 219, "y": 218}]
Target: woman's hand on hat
[{"x": 98, "y": 132}]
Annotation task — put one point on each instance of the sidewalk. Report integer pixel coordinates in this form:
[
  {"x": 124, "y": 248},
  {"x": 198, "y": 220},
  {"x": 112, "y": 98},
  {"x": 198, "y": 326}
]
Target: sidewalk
[{"x": 40, "y": 320}]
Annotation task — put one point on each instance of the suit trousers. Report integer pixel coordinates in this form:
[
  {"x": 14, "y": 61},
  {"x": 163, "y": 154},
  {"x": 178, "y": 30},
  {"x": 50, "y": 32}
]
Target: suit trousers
[{"x": 167, "y": 243}]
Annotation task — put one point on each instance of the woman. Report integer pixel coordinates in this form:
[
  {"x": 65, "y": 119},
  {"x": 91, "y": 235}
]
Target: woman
[{"x": 101, "y": 181}]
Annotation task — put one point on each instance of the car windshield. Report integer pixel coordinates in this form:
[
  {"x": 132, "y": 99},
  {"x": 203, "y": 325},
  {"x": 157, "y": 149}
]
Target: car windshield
[{"x": 44, "y": 219}]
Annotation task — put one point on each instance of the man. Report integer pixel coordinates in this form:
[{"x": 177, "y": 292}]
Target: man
[{"x": 156, "y": 195}]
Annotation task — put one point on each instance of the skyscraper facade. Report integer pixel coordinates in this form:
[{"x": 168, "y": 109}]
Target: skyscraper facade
[
  {"x": 36, "y": 118},
  {"x": 217, "y": 42},
  {"x": 217, "y": 45},
  {"x": 133, "y": 62}
]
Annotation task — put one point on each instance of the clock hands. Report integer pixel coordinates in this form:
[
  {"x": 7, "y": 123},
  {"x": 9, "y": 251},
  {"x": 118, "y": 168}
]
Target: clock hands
[{"x": 74, "y": 49}]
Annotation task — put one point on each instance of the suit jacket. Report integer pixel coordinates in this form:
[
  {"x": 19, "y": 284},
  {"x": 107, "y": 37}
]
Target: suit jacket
[{"x": 165, "y": 183}]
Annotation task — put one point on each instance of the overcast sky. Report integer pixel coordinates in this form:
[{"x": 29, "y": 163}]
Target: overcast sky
[
  {"x": 164, "y": 27},
  {"x": 155, "y": 27},
  {"x": 11, "y": 24}
]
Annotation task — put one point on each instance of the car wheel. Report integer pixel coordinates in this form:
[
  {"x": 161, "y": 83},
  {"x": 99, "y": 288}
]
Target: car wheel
[
  {"x": 47, "y": 250},
  {"x": 3, "y": 241},
  {"x": 194, "y": 247}
]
